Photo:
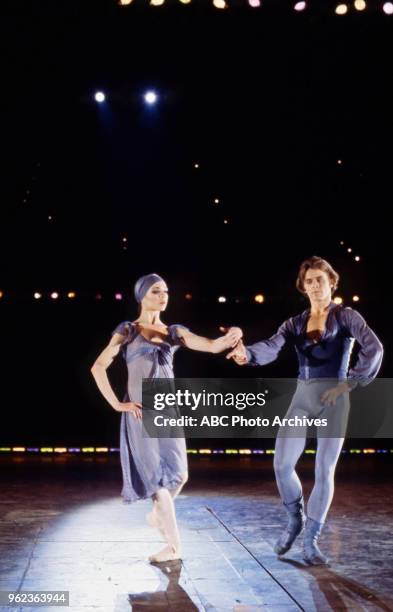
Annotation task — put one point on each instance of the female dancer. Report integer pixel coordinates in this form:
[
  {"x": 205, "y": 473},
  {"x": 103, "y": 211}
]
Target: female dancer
[
  {"x": 323, "y": 337},
  {"x": 152, "y": 467}
]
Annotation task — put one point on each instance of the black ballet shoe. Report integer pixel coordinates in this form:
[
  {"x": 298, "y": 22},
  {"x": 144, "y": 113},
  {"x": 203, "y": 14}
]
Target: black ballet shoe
[{"x": 296, "y": 521}]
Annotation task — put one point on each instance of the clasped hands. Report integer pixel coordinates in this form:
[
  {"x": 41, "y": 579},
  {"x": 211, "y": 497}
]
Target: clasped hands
[{"x": 239, "y": 356}]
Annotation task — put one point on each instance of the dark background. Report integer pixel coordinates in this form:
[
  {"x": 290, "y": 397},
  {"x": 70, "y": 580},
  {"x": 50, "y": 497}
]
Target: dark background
[{"x": 266, "y": 102}]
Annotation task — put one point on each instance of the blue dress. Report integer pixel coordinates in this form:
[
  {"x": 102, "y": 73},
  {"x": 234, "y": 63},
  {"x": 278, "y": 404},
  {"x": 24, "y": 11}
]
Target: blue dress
[
  {"x": 148, "y": 464},
  {"x": 329, "y": 356}
]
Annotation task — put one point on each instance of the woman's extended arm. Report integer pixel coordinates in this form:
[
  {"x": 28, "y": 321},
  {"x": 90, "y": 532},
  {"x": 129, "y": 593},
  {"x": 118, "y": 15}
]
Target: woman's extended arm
[{"x": 217, "y": 345}]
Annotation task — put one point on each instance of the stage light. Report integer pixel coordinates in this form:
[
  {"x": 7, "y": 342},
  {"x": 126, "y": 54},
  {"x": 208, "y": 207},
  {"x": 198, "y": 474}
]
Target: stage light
[
  {"x": 342, "y": 242},
  {"x": 338, "y": 300},
  {"x": 37, "y": 295},
  {"x": 225, "y": 221},
  {"x": 355, "y": 298},
  {"x": 216, "y": 201},
  {"x": 54, "y": 295},
  {"x": 118, "y": 296},
  {"x": 300, "y": 6},
  {"x": 254, "y": 3},
  {"x": 98, "y": 296},
  {"x": 49, "y": 217},
  {"x": 220, "y": 4},
  {"x": 388, "y": 8},
  {"x": 222, "y": 299},
  {"x": 339, "y": 161},
  {"x": 150, "y": 97},
  {"x": 125, "y": 2},
  {"x": 71, "y": 294},
  {"x": 99, "y": 97},
  {"x": 259, "y": 298},
  {"x": 349, "y": 250},
  {"x": 196, "y": 165},
  {"x": 185, "y": 1},
  {"x": 124, "y": 239},
  {"x": 341, "y": 9},
  {"x": 357, "y": 258},
  {"x": 188, "y": 296},
  {"x": 156, "y": 2},
  {"x": 1, "y": 294},
  {"x": 359, "y": 5}
]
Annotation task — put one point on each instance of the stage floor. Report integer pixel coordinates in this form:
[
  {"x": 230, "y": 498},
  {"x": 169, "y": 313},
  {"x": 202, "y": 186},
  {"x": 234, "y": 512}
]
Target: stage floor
[{"x": 63, "y": 526}]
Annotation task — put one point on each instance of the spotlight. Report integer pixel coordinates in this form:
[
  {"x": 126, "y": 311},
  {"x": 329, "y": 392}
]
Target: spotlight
[
  {"x": 54, "y": 295},
  {"x": 338, "y": 300},
  {"x": 71, "y": 294},
  {"x": 300, "y": 6},
  {"x": 349, "y": 250},
  {"x": 387, "y": 8},
  {"x": 99, "y": 96},
  {"x": 150, "y": 97},
  {"x": 254, "y": 3},
  {"x": 259, "y": 298},
  {"x": 118, "y": 296},
  {"x": 355, "y": 298},
  {"x": 357, "y": 258},
  {"x": 359, "y": 5},
  {"x": 341, "y": 9},
  {"x": 222, "y": 299},
  {"x": 37, "y": 295},
  {"x": 220, "y": 4},
  {"x": 188, "y": 296}
]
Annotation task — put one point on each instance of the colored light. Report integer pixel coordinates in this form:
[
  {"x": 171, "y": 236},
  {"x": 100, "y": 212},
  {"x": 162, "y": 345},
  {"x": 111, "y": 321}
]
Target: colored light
[
  {"x": 150, "y": 97},
  {"x": 300, "y": 6},
  {"x": 254, "y": 3},
  {"x": 1, "y": 294},
  {"x": 359, "y": 5},
  {"x": 71, "y": 294},
  {"x": 118, "y": 296},
  {"x": 341, "y": 9},
  {"x": 54, "y": 295},
  {"x": 338, "y": 300},
  {"x": 188, "y": 296},
  {"x": 259, "y": 298}
]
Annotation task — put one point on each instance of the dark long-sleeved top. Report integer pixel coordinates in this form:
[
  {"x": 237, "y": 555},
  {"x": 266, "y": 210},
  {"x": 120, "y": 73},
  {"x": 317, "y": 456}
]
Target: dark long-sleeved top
[{"x": 329, "y": 357}]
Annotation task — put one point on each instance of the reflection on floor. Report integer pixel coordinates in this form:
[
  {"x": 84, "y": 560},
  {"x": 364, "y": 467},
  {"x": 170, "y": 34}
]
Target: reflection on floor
[{"x": 63, "y": 526}]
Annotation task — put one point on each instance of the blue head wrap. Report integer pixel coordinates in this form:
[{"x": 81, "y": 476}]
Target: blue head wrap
[{"x": 143, "y": 284}]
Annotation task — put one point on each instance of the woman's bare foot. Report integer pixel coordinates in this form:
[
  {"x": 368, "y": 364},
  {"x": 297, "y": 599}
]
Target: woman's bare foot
[
  {"x": 168, "y": 553},
  {"x": 153, "y": 520}
]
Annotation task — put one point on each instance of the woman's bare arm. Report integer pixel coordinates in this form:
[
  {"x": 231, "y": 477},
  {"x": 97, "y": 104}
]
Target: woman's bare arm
[
  {"x": 99, "y": 371},
  {"x": 217, "y": 345}
]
